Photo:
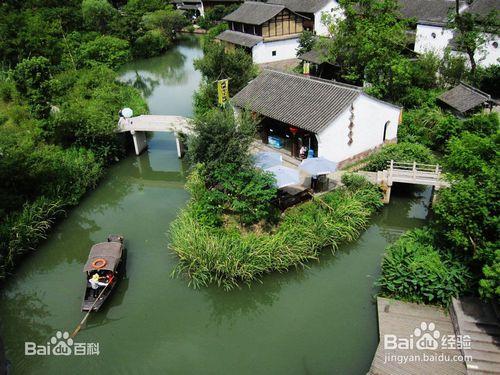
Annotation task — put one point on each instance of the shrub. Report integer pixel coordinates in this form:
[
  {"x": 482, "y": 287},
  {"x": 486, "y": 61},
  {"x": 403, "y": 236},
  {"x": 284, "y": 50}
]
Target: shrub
[
  {"x": 470, "y": 154},
  {"x": 400, "y": 152},
  {"x": 414, "y": 270}
]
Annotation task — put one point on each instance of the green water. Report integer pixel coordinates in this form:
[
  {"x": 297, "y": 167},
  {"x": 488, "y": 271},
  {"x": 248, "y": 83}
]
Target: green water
[{"x": 320, "y": 320}]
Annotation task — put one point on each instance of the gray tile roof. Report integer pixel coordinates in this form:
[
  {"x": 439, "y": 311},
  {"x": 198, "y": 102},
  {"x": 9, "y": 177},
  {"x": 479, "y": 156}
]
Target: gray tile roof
[
  {"x": 464, "y": 97},
  {"x": 254, "y": 13},
  {"x": 302, "y": 6},
  {"x": 305, "y": 102},
  {"x": 484, "y": 7},
  {"x": 241, "y": 39},
  {"x": 427, "y": 11}
]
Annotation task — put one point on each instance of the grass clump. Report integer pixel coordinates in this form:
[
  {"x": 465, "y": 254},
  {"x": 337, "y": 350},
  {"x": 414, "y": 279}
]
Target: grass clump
[{"x": 227, "y": 256}]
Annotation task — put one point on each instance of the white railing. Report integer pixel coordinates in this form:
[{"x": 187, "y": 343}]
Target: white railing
[{"x": 418, "y": 173}]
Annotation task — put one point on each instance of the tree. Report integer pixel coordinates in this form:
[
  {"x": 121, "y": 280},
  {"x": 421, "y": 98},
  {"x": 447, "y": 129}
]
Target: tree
[
  {"x": 220, "y": 146},
  {"x": 307, "y": 40},
  {"x": 168, "y": 21},
  {"x": 97, "y": 14},
  {"x": 31, "y": 77},
  {"x": 472, "y": 31},
  {"x": 217, "y": 63},
  {"x": 221, "y": 138},
  {"x": 368, "y": 42},
  {"x": 108, "y": 50}
]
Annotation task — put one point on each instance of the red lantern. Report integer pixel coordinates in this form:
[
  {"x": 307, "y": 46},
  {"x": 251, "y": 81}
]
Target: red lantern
[{"x": 293, "y": 130}]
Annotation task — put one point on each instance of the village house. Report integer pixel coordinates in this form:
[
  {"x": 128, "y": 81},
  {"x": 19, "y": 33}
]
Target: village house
[
  {"x": 336, "y": 121},
  {"x": 314, "y": 11},
  {"x": 431, "y": 34},
  {"x": 269, "y": 32}
]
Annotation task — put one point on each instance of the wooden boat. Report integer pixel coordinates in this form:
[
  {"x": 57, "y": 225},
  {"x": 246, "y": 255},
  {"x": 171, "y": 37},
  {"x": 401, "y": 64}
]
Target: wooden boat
[{"x": 107, "y": 260}]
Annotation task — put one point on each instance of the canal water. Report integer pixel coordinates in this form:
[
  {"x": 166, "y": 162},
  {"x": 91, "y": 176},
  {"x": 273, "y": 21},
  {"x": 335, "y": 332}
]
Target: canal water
[{"x": 321, "y": 320}]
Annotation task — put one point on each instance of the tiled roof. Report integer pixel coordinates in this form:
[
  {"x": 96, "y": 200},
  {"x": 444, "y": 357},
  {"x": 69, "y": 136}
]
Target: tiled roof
[
  {"x": 464, "y": 97},
  {"x": 241, "y": 39},
  {"x": 484, "y": 7},
  {"x": 302, "y": 6},
  {"x": 305, "y": 102},
  {"x": 254, "y": 13},
  {"x": 427, "y": 11}
]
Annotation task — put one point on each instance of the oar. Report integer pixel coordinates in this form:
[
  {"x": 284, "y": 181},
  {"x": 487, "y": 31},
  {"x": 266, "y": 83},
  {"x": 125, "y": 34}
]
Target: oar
[{"x": 79, "y": 326}]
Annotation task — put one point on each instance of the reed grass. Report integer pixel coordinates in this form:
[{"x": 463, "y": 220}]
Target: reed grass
[{"x": 229, "y": 257}]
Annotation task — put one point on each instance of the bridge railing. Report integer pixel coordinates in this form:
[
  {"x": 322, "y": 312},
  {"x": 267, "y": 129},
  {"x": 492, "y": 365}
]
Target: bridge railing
[{"x": 413, "y": 170}]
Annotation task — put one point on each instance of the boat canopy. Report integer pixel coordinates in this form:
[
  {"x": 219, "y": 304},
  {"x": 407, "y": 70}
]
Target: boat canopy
[{"x": 109, "y": 251}]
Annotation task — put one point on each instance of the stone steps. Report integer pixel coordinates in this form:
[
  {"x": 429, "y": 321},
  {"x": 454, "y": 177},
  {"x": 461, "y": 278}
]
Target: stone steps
[{"x": 480, "y": 322}]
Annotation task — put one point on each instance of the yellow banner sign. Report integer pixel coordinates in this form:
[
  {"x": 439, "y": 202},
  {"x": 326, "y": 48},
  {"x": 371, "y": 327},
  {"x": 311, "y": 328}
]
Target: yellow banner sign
[
  {"x": 223, "y": 90},
  {"x": 307, "y": 68}
]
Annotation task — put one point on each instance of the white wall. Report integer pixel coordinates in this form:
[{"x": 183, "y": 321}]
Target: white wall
[
  {"x": 285, "y": 50},
  {"x": 488, "y": 54},
  {"x": 333, "y": 9},
  {"x": 485, "y": 56},
  {"x": 432, "y": 39},
  {"x": 370, "y": 117}
]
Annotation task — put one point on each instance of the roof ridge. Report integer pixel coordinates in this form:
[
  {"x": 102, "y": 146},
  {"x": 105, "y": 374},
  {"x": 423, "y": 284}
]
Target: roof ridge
[
  {"x": 317, "y": 79},
  {"x": 475, "y": 89}
]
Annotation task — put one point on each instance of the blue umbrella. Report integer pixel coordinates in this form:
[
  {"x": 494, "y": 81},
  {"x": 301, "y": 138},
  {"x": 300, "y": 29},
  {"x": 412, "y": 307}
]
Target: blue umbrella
[
  {"x": 266, "y": 160},
  {"x": 284, "y": 176},
  {"x": 318, "y": 166}
]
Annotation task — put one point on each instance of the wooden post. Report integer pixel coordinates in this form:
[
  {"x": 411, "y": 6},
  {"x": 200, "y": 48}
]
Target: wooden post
[{"x": 414, "y": 171}]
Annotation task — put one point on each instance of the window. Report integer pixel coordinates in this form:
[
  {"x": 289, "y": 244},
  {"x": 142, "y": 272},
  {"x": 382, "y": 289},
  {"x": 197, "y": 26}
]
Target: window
[
  {"x": 495, "y": 44},
  {"x": 385, "y": 130},
  {"x": 273, "y": 53},
  {"x": 433, "y": 35}
]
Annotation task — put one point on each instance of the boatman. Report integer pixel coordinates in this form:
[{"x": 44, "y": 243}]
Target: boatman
[{"x": 96, "y": 284}]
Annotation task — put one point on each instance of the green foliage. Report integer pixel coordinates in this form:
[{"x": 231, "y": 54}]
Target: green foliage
[
  {"x": 23, "y": 232},
  {"x": 218, "y": 64},
  {"x": 471, "y": 154},
  {"x": 247, "y": 192},
  {"x": 152, "y": 43},
  {"x": 307, "y": 40},
  {"x": 414, "y": 270},
  {"x": 486, "y": 79},
  {"x": 433, "y": 128},
  {"x": 489, "y": 285},
  {"x": 168, "y": 21},
  {"x": 108, "y": 50},
  {"x": 88, "y": 115},
  {"x": 220, "y": 145},
  {"x": 220, "y": 138},
  {"x": 97, "y": 14},
  {"x": 368, "y": 43},
  {"x": 31, "y": 76},
  {"x": 471, "y": 30},
  {"x": 228, "y": 257},
  {"x": 214, "y": 15},
  {"x": 400, "y": 152}
]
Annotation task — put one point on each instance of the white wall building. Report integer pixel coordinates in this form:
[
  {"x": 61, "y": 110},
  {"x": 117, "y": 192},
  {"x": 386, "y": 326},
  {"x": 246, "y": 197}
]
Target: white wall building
[
  {"x": 270, "y": 32},
  {"x": 431, "y": 34},
  {"x": 337, "y": 121}
]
